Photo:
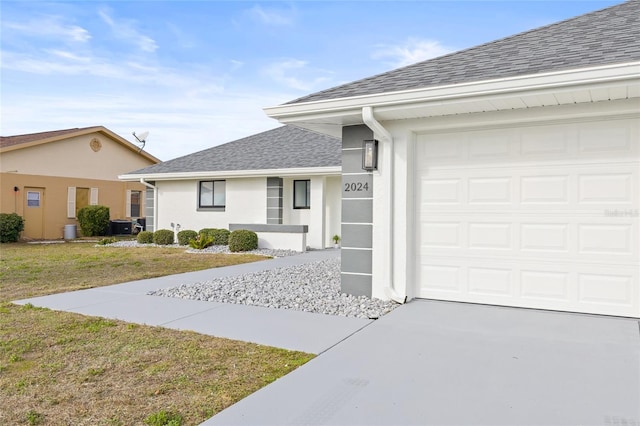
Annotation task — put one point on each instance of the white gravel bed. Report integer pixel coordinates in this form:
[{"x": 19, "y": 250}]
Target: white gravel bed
[
  {"x": 312, "y": 287},
  {"x": 210, "y": 249}
]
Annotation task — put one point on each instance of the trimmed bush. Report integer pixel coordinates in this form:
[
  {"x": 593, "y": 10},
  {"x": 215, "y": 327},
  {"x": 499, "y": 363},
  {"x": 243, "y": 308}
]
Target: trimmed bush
[
  {"x": 145, "y": 237},
  {"x": 220, "y": 237},
  {"x": 94, "y": 220},
  {"x": 185, "y": 236},
  {"x": 243, "y": 240},
  {"x": 163, "y": 237},
  {"x": 11, "y": 225}
]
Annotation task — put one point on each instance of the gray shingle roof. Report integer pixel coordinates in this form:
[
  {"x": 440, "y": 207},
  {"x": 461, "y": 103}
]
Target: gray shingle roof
[
  {"x": 604, "y": 37},
  {"x": 281, "y": 148}
]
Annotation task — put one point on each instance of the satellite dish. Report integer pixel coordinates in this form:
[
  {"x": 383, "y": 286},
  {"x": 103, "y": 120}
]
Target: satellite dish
[{"x": 142, "y": 138}]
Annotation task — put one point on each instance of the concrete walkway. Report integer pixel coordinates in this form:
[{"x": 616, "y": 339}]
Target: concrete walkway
[
  {"x": 294, "y": 330},
  {"x": 425, "y": 363}
]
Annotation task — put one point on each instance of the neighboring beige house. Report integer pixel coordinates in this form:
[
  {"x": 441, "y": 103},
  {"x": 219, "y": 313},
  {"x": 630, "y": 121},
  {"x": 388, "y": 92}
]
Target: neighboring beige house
[{"x": 47, "y": 177}]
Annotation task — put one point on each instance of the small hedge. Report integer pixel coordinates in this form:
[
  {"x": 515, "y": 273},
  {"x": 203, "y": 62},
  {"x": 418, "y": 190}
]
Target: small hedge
[
  {"x": 219, "y": 236},
  {"x": 94, "y": 220},
  {"x": 145, "y": 237},
  {"x": 243, "y": 240},
  {"x": 163, "y": 237},
  {"x": 11, "y": 225},
  {"x": 185, "y": 236}
]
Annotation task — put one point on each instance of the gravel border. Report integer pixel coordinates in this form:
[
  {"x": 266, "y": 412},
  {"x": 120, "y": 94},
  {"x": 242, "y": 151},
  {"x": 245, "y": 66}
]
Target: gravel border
[
  {"x": 311, "y": 287},
  {"x": 210, "y": 249}
]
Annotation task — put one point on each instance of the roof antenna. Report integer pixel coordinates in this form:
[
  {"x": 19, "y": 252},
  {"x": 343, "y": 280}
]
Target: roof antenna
[{"x": 142, "y": 139}]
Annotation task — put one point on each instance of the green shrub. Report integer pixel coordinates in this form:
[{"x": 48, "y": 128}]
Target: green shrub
[
  {"x": 94, "y": 220},
  {"x": 243, "y": 240},
  {"x": 207, "y": 232},
  {"x": 202, "y": 241},
  {"x": 185, "y": 236},
  {"x": 10, "y": 227},
  {"x": 145, "y": 237},
  {"x": 219, "y": 236},
  {"x": 163, "y": 237},
  {"x": 105, "y": 241}
]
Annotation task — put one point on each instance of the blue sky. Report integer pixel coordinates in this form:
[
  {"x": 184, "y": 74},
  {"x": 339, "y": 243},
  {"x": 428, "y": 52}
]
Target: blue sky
[{"x": 197, "y": 73}]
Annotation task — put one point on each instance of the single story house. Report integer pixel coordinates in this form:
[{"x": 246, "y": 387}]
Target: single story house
[
  {"x": 47, "y": 177},
  {"x": 508, "y": 173},
  {"x": 282, "y": 181}
]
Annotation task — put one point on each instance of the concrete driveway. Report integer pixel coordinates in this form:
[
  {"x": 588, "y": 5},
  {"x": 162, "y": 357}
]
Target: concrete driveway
[{"x": 429, "y": 363}]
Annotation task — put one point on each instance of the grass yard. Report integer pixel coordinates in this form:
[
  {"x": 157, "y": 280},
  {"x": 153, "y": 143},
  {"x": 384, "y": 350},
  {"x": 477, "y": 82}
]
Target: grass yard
[{"x": 59, "y": 368}]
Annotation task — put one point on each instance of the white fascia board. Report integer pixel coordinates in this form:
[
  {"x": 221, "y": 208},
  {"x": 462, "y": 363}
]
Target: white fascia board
[
  {"x": 503, "y": 86},
  {"x": 304, "y": 171}
]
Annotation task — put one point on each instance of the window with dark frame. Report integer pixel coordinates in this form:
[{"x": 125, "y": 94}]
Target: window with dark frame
[
  {"x": 135, "y": 203},
  {"x": 212, "y": 194},
  {"x": 301, "y": 194}
]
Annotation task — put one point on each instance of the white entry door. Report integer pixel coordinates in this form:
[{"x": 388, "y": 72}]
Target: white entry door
[{"x": 543, "y": 216}]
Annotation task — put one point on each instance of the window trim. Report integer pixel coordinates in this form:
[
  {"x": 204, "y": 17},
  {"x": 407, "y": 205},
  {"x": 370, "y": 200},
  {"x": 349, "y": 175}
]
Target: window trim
[
  {"x": 212, "y": 207},
  {"x": 307, "y": 203}
]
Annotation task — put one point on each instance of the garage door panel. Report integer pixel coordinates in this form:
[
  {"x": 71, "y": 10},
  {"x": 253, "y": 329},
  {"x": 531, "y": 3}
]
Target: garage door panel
[
  {"x": 605, "y": 138},
  {"x": 544, "y": 285},
  {"x": 605, "y": 188},
  {"x": 569, "y": 238},
  {"x": 544, "y": 189},
  {"x": 534, "y": 217}
]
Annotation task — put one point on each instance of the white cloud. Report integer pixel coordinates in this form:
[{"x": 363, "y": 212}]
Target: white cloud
[
  {"x": 295, "y": 74},
  {"x": 411, "y": 51},
  {"x": 68, "y": 55},
  {"x": 125, "y": 29},
  {"x": 49, "y": 27},
  {"x": 271, "y": 16},
  {"x": 235, "y": 64}
]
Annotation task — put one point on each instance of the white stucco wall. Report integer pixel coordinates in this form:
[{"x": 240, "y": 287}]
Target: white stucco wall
[{"x": 246, "y": 202}]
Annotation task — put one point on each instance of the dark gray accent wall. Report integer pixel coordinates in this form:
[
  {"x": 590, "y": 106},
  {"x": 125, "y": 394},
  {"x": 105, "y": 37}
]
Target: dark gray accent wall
[
  {"x": 274, "y": 200},
  {"x": 149, "y": 212},
  {"x": 357, "y": 214}
]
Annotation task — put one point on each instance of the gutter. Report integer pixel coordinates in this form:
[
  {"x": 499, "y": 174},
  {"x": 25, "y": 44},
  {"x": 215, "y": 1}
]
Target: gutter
[
  {"x": 155, "y": 202},
  {"x": 379, "y": 130}
]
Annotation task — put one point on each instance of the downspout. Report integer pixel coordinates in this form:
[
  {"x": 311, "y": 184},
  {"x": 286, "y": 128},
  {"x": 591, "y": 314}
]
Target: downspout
[
  {"x": 155, "y": 202},
  {"x": 385, "y": 136}
]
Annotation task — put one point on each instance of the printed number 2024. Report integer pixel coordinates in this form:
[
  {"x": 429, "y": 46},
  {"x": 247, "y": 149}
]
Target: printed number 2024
[{"x": 356, "y": 187}]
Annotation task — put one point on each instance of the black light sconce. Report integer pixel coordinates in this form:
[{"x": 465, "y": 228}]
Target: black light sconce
[
  {"x": 370, "y": 155},
  {"x": 16, "y": 189}
]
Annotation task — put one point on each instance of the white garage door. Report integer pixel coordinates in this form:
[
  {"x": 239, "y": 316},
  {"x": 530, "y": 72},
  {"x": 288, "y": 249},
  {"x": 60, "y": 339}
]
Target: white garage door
[{"x": 543, "y": 217}]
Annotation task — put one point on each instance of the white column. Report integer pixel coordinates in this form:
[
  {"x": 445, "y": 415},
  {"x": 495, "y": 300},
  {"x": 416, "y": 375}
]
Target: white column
[{"x": 317, "y": 216}]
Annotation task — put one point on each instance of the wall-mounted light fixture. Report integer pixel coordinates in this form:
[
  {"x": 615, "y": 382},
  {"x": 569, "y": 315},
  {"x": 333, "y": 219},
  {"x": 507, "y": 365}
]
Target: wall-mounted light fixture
[
  {"x": 16, "y": 189},
  {"x": 370, "y": 155}
]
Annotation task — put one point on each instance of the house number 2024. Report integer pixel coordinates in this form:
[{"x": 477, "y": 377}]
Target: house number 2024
[{"x": 356, "y": 187}]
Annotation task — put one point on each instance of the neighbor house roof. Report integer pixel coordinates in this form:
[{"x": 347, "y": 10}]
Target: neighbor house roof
[
  {"x": 12, "y": 143},
  {"x": 285, "y": 147},
  {"x": 608, "y": 36}
]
